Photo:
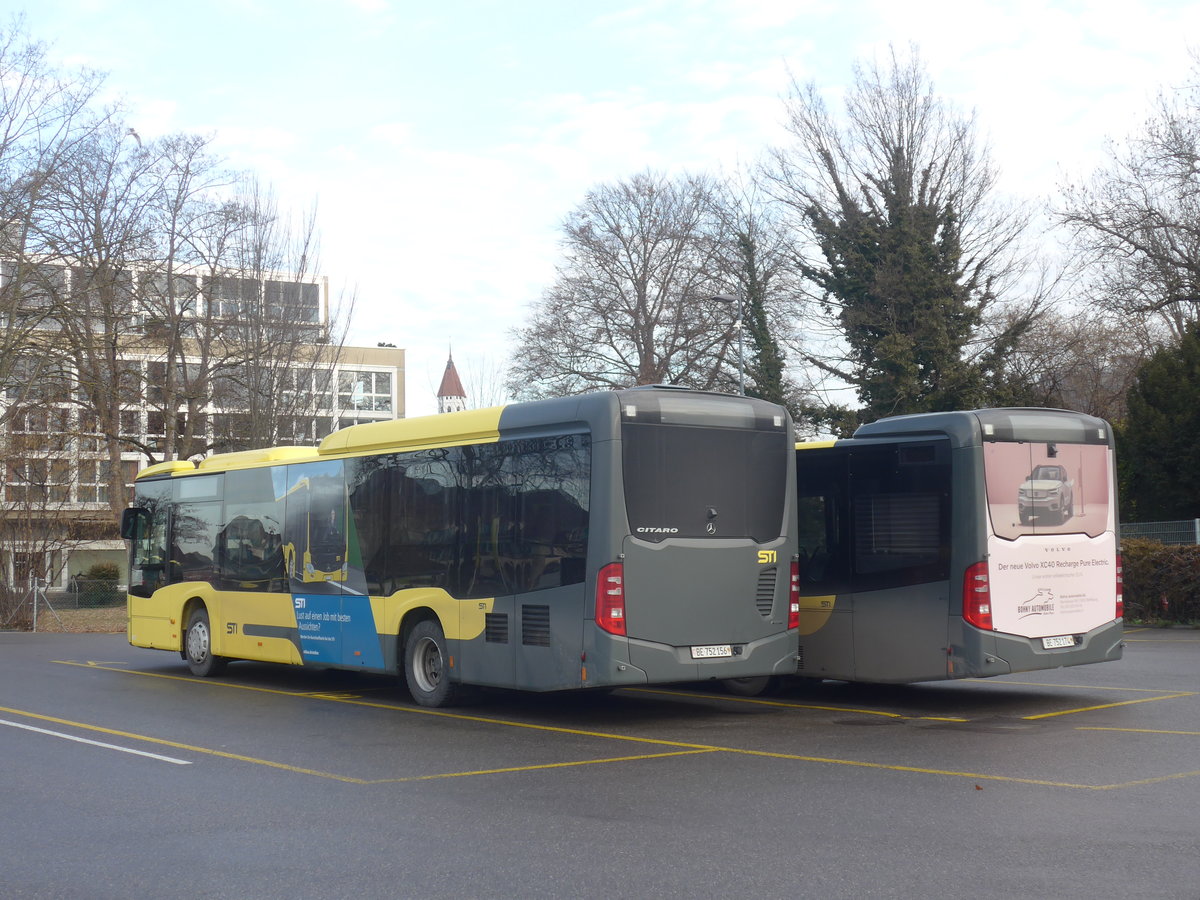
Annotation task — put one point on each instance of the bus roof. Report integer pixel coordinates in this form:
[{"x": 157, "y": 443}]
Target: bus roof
[
  {"x": 472, "y": 426},
  {"x": 970, "y": 427}
]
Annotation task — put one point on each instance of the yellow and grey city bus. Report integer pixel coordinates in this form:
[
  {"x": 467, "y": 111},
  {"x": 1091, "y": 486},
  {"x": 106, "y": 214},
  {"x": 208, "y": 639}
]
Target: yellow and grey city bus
[
  {"x": 959, "y": 544},
  {"x": 620, "y": 538}
]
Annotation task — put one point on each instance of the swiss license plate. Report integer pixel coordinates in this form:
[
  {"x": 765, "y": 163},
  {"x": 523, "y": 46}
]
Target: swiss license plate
[
  {"x": 1066, "y": 640},
  {"x": 712, "y": 651}
]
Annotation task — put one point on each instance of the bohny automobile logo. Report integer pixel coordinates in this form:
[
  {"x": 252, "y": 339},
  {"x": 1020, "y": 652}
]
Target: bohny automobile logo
[{"x": 1041, "y": 604}]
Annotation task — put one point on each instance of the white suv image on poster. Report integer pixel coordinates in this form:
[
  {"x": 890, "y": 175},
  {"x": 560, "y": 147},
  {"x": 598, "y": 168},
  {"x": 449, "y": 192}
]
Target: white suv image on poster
[{"x": 1048, "y": 492}]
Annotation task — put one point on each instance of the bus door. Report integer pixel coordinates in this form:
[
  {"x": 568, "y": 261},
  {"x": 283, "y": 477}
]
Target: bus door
[
  {"x": 707, "y": 557},
  {"x": 823, "y": 536},
  {"x": 147, "y": 527},
  {"x": 899, "y": 556},
  {"x": 334, "y": 620}
]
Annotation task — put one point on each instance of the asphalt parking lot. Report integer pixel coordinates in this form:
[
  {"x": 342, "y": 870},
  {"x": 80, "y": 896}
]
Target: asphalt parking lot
[{"x": 127, "y": 777}]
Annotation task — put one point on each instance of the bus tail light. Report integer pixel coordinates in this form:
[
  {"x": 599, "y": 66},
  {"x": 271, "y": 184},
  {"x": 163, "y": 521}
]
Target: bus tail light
[
  {"x": 977, "y": 597},
  {"x": 1120, "y": 588},
  {"x": 610, "y": 598},
  {"x": 794, "y": 596}
]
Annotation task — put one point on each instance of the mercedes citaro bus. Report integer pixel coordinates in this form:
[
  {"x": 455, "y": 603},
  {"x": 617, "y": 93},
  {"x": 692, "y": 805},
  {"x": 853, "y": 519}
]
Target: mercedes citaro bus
[{"x": 620, "y": 538}]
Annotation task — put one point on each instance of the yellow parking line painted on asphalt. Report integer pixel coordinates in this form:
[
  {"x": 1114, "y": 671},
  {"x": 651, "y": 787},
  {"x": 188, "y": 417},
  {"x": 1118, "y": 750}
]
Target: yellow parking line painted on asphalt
[
  {"x": 191, "y": 679},
  {"x": 787, "y": 704},
  {"x": 1081, "y": 687},
  {"x": 681, "y": 745},
  {"x": 413, "y": 710},
  {"x": 978, "y": 776},
  {"x": 1139, "y": 730},
  {"x": 919, "y": 770},
  {"x": 177, "y": 745},
  {"x": 299, "y": 770},
  {"x": 541, "y": 766},
  {"x": 1071, "y": 712},
  {"x": 1141, "y": 782}
]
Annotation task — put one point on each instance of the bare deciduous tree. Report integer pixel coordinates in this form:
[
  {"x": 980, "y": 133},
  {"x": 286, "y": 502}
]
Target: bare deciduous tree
[
  {"x": 632, "y": 300},
  {"x": 484, "y": 381},
  {"x": 277, "y": 336},
  {"x": 1080, "y": 359},
  {"x": 755, "y": 260},
  {"x": 96, "y": 218},
  {"x": 1137, "y": 219},
  {"x": 44, "y": 115}
]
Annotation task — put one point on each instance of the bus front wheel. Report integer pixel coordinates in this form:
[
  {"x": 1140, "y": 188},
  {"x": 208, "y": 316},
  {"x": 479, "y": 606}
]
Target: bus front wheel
[
  {"x": 197, "y": 645},
  {"x": 426, "y": 665},
  {"x": 753, "y": 686}
]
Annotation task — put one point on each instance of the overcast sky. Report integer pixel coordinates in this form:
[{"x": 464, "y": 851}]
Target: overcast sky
[{"x": 444, "y": 142}]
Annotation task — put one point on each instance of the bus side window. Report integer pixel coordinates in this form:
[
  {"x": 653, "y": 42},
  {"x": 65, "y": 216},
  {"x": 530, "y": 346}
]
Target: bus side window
[
  {"x": 814, "y": 545},
  {"x": 899, "y": 505},
  {"x": 820, "y": 508}
]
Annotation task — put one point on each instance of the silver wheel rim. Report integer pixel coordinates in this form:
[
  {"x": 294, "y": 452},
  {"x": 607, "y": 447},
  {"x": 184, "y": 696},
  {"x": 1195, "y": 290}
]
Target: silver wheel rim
[
  {"x": 197, "y": 642},
  {"x": 427, "y": 665}
]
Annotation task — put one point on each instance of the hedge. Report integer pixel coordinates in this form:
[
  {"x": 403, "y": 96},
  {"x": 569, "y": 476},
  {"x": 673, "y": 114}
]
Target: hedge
[{"x": 1162, "y": 582}]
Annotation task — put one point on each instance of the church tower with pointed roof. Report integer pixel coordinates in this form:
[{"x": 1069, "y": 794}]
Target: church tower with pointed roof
[{"x": 451, "y": 396}]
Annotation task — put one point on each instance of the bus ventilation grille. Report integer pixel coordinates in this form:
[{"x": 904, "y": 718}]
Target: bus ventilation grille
[
  {"x": 800, "y": 659},
  {"x": 535, "y": 626},
  {"x": 495, "y": 628},
  {"x": 764, "y": 597}
]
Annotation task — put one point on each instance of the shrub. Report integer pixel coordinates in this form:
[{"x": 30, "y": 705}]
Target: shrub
[
  {"x": 1162, "y": 581},
  {"x": 98, "y": 586},
  {"x": 104, "y": 571}
]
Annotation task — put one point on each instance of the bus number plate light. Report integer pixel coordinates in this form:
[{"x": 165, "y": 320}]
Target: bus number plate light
[
  {"x": 1066, "y": 640},
  {"x": 712, "y": 651}
]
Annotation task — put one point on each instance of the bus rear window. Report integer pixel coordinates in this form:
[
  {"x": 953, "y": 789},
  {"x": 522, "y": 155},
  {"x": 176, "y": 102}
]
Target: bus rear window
[
  {"x": 1049, "y": 487},
  {"x": 693, "y": 481}
]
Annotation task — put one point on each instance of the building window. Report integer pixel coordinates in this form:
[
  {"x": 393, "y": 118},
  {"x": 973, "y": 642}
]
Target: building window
[{"x": 365, "y": 391}]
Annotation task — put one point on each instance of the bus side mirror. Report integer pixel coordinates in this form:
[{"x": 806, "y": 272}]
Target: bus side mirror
[{"x": 132, "y": 520}]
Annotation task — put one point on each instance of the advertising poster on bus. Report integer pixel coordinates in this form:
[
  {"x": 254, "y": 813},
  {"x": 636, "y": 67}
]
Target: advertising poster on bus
[{"x": 1052, "y": 547}]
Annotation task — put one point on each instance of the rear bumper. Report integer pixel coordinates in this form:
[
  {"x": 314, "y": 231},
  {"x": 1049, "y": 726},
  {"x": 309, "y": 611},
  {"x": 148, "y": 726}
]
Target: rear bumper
[
  {"x": 1013, "y": 653},
  {"x": 652, "y": 663}
]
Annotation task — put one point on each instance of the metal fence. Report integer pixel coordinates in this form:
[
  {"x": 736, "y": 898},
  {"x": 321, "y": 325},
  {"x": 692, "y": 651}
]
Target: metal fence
[{"x": 1185, "y": 531}]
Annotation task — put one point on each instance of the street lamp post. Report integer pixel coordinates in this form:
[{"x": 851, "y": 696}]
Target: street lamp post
[{"x": 736, "y": 299}]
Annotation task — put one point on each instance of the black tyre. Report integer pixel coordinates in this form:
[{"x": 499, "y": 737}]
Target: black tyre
[
  {"x": 756, "y": 686},
  {"x": 426, "y": 665},
  {"x": 197, "y": 645}
]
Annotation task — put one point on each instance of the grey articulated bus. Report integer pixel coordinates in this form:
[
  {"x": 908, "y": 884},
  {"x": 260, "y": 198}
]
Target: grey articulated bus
[{"x": 959, "y": 544}]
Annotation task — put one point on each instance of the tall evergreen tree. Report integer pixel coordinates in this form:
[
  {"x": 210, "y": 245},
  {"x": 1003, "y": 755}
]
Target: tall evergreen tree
[
  {"x": 911, "y": 249},
  {"x": 1159, "y": 442}
]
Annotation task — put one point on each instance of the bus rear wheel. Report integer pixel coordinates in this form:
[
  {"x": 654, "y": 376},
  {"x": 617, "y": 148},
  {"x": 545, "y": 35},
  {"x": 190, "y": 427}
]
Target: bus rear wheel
[
  {"x": 426, "y": 664},
  {"x": 197, "y": 645}
]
